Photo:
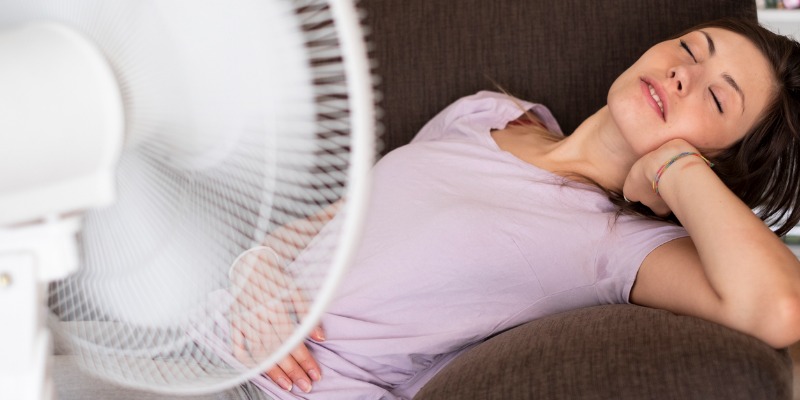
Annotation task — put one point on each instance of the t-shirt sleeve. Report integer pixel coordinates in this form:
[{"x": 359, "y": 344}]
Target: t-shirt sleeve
[
  {"x": 630, "y": 241},
  {"x": 476, "y": 115}
]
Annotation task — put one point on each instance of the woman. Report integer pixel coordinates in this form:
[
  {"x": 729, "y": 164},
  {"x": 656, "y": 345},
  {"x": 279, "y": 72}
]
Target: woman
[
  {"x": 491, "y": 218},
  {"x": 506, "y": 223}
]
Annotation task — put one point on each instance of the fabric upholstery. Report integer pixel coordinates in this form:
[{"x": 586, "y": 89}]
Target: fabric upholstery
[
  {"x": 563, "y": 54},
  {"x": 616, "y": 352}
]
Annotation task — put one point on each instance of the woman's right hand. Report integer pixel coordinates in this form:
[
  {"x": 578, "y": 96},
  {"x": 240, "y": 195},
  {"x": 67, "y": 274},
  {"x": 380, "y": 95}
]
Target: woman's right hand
[
  {"x": 270, "y": 305},
  {"x": 299, "y": 367},
  {"x": 268, "y": 309}
]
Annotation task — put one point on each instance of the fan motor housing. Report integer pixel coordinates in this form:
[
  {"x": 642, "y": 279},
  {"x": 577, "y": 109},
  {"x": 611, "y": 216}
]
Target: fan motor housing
[{"x": 62, "y": 123}]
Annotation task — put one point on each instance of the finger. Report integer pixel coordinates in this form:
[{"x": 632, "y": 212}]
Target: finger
[
  {"x": 265, "y": 340},
  {"x": 299, "y": 304},
  {"x": 659, "y": 207},
  {"x": 280, "y": 313},
  {"x": 242, "y": 333},
  {"x": 239, "y": 349},
  {"x": 254, "y": 339},
  {"x": 628, "y": 197},
  {"x": 278, "y": 376},
  {"x": 282, "y": 307},
  {"x": 298, "y": 300},
  {"x": 295, "y": 373},
  {"x": 303, "y": 357},
  {"x": 663, "y": 211},
  {"x": 278, "y": 296},
  {"x": 252, "y": 336},
  {"x": 318, "y": 334}
]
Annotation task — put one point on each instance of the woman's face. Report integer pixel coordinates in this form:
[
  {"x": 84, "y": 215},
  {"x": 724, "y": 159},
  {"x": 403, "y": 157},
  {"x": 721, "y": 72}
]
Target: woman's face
[{"x": 707, "y": 87}]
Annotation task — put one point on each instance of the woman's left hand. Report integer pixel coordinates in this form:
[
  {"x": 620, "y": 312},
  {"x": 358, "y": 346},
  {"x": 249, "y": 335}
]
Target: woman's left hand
[{"x": 638, "y": 185}]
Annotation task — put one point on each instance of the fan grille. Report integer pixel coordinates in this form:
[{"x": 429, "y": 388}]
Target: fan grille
[{"x": 239, "y": 149}]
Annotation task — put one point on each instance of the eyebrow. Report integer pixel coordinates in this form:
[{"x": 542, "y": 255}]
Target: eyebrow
[{"x": 712, "y": 50}]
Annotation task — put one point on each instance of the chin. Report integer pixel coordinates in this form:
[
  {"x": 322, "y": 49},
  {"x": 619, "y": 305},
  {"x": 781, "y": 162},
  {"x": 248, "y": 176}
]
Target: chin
[
  {"x": 629, "y": 122},
  {"x": 622, "y": 112}
]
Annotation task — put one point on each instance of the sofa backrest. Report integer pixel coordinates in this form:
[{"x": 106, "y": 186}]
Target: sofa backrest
[{"x": 561, "y": 53}]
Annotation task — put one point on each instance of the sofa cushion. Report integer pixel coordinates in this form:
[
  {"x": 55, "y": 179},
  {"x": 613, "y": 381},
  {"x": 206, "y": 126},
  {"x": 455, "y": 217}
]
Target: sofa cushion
[
  {"x": 616, "y": 352},
  {"x": 564, "y": 54}
]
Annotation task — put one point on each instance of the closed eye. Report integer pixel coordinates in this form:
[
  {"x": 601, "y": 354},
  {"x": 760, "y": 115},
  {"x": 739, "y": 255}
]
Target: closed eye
[
  {"x": 686, "y": 47},
  {"x": 719, "y": 105}
]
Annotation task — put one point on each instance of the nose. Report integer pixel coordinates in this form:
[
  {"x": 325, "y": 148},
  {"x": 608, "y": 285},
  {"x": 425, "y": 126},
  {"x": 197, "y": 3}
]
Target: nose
[{"x": 680, "y": 79}]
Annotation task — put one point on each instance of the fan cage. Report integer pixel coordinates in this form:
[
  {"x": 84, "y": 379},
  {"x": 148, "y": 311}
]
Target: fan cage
[{"x": 225, "y": 211}]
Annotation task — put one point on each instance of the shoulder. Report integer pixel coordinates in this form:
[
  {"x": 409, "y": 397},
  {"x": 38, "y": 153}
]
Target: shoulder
[
  {"x": 480, "y": 113},
  {"x": 630, "y": 241}
]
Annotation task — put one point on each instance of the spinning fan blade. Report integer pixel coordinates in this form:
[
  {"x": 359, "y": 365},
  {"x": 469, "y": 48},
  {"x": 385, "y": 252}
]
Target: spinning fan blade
[{"x": 240, "y": 117}]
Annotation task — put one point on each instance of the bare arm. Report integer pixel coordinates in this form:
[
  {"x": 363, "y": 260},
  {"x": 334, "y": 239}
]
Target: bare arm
[
  {"x": 289, "y": 240},
  {"x": 733, "y": 269},
  {"x": 299, "y": 368}
]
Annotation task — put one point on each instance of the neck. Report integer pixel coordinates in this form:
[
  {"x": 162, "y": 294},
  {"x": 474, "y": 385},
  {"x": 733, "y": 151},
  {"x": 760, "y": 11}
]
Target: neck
[{"x": 595, "y": 150}]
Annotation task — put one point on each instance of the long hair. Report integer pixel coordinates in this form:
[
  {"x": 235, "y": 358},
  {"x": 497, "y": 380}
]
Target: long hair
[{"x": 763, "y": 168}]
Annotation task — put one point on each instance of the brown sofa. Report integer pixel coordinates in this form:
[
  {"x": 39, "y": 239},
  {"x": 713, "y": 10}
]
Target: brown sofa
[{"x": 564, "y": 54}]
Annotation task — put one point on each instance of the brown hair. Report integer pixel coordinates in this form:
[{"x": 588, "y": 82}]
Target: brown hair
[{"x": 763, "y": 168}]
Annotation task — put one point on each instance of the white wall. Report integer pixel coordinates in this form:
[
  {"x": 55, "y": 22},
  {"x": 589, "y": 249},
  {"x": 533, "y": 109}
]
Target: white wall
[{"x": 785, "y": 22}]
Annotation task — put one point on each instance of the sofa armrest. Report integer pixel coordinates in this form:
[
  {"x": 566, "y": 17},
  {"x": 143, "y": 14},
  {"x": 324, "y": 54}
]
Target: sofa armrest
[{"x": 616, "y": 352}]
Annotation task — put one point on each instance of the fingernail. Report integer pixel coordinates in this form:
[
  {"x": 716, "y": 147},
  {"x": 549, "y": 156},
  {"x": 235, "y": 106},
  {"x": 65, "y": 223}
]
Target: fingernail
[
  {"x": 314, "y": 375},
  {"x": 285, "y": 384},
  {"x": 318, "y": 335},
  {"x": 304, "y": 385}
]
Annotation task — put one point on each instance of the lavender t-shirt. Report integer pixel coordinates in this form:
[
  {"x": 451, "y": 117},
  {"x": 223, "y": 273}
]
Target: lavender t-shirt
[{"x": 464, "y": 240}]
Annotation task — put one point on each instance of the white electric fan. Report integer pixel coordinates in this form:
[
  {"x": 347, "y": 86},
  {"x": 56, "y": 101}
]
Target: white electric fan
[{"x": 150, "y": 153}]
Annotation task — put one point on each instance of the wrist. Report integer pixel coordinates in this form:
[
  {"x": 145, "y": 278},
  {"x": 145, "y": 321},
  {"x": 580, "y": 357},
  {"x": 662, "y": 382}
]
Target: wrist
[
  {"x": 686, "y": 180},
  {"x": 678, "y": 162}
]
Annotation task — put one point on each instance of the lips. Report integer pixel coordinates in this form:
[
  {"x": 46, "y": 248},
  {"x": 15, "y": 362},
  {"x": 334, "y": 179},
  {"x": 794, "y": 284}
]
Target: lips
[{"x": 655, "y": 97}]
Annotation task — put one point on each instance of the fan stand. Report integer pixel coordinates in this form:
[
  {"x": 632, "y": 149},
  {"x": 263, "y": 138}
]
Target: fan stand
[
  {"x": 62, "y": 163},
  {"x": 31, "y": 256}
]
